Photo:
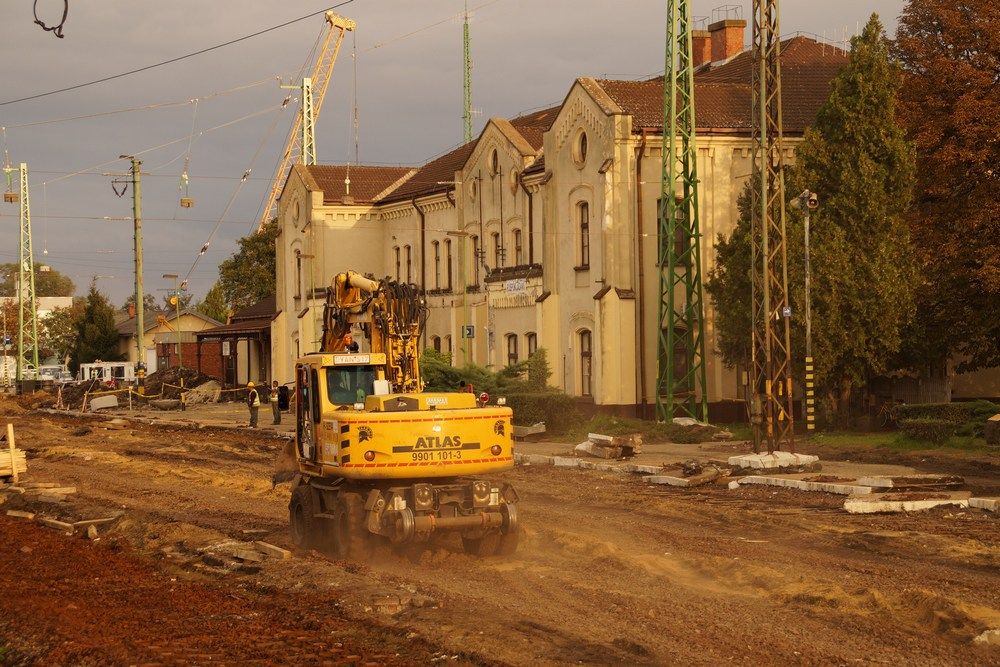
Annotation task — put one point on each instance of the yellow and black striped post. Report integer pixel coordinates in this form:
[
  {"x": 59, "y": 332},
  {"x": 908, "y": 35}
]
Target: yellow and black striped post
[{"x": 810, "y": 398}]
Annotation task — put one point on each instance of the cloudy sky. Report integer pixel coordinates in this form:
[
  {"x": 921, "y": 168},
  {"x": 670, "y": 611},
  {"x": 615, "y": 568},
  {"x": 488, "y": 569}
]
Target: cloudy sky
[{"x": 409, "y": 96}]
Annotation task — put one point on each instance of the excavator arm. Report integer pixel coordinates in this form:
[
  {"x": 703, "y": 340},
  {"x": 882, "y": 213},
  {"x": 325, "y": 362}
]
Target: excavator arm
[{"x": 391, "y": 315}]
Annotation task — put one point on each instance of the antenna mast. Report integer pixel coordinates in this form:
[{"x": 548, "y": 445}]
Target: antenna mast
[
  {"x": 467, "y": 83},
  {"x": 27, "y": 313}
]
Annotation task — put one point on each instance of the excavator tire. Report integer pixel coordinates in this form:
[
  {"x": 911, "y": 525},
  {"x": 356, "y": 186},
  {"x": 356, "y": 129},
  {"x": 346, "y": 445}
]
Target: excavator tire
[
  {"x": 302, "y": 517},
  {"x": 352, "y": 541}
]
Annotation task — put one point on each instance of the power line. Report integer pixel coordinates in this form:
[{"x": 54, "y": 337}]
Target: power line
[{"x": 174, "y": 60}]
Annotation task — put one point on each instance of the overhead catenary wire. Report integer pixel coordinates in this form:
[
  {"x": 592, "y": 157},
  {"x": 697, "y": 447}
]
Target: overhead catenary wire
[{"x": 176, "y": 59}]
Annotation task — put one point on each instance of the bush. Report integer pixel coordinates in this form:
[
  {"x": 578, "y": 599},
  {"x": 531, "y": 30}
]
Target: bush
[
  {"x": 928, "y": 429},
  {"x": 967, "y": 418},
  {"x": 556, "y": 409}
]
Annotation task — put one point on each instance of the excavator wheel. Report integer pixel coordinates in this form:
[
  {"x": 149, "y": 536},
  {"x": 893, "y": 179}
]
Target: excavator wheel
[
  {"x": 302, "y": 517},
  {"x": 486, "y": 545},
  {"x": 510, "y": 532},
  {"x": 352, "y": 539}
]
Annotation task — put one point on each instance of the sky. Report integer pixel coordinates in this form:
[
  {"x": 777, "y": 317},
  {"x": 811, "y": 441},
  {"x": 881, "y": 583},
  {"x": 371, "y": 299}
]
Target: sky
[{"x": 401, "y": 69}]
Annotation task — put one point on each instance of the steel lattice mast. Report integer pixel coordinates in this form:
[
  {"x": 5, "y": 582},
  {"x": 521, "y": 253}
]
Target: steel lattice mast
[
  {"x": 681, "y": 380},
  {"x": 771, "y": 372},
  {"x": 299, "y": 143},
  {"x": 27, "y": 313}
]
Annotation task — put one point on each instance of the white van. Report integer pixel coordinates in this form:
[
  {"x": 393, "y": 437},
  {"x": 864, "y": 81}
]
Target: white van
[{"x": 109, "y": 372}]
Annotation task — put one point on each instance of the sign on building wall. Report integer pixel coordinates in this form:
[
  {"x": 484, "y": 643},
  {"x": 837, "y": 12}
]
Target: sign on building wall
[
  {"x": 515, "y": 285},
  {"x": 469, "y": 331}
]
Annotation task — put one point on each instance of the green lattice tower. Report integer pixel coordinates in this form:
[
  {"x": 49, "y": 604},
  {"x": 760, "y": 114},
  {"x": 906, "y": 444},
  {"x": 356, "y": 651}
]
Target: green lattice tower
[
  {"x": 467, "y": 82},
  {"x": 681, "y": 380},
  {"x": 27, "y": 313},
  {"x": 771, "y": 371}
]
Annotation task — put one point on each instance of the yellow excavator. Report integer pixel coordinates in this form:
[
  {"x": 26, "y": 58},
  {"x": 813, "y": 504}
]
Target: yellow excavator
[{"x": 377, "y": 458}]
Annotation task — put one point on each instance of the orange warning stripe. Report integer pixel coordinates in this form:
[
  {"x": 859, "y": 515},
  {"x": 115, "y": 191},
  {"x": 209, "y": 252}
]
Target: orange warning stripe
[
  {"x": 428, "y": 419},
  {"x": 405, "y": 464}
]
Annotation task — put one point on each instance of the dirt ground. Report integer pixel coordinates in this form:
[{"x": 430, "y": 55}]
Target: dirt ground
[{"x": 610, "y": 571}]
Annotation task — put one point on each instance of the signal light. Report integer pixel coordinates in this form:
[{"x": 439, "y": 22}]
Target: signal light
[{"x": 495, "y": 450}]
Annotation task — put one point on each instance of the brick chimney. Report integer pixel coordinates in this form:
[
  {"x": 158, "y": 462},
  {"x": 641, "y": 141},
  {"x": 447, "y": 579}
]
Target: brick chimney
[
  {"x": 701, "y": 47},
  {"x": 131, "y": 310},
  {"x": 727, "y": 38}
]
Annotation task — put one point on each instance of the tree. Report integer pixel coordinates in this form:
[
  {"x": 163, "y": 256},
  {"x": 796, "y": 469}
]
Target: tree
[
  {"x": 949, "y": 103},
  {"x": 58, "y": 331},
  {"x": 96, "y": 335},
  {"x": 249, "y": 275},
  {"x": 214, "y": 304},
  {"x": 149, "y": 304},
  {"x": 47, "y": 283},
  {"x": 857, "y": 160}
]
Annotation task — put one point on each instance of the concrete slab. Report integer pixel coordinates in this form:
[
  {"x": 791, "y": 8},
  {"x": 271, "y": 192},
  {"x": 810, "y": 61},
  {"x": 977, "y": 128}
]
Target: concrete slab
[
  {"x": 886, "y": 503},
  {"x": 642, "y": 469},
  {"x": 608, "y": 467},
  {"x": 988, "y": 504},
  {"x": 103, "y": 403},
  {"x": 911, "y": 481},
  {"x": 666, "y": 479},
  {"x": 536, "y": 460},
  {"x": 565, "y": 462},
  {"x": 772, "y": 461},
  {"x": 803, "y": 485},
  {"x": 733, "y": 485}
]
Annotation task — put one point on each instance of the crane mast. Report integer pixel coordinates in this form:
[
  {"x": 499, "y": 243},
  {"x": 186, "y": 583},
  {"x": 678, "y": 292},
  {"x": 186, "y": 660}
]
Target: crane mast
[{"x": 300, "y": 146}]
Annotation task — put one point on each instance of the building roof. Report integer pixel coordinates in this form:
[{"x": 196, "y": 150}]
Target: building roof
[
  {"x": 723, "y": 94},
  {"x": 368, "y": 183},
  {"x": 126, "y": 327},
  {"x": 266, "y": 307},
  {"x": 435, "y": 176}
]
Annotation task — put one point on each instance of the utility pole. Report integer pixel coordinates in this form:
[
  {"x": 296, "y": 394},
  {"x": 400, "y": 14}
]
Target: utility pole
[
  {"x": 175, "y": 297},
  {"x": 467, "y": 82},
  {"x": 140, "y": 366},
  {"x": 771, "y": 355},
  {"x": 680, "y": 386},
  {"x": 27, "y": 313}
]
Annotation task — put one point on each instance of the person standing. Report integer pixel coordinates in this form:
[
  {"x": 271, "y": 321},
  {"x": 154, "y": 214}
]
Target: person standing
[
  {"x": 253, "y": 403},
  {"x": 275, "y": 405}
]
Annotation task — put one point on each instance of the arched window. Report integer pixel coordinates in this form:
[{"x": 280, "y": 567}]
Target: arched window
[
  {"x": 447, "y": 252},
  {"x": 494, "y": 163},
  {"x": 447, "y": 344},
  {"x": 497, "y": 251},
  {"x": 395, "y": 249},
  {"x": 584, "y": 220},
  {"x": 586, "y": 356},
  {"x": 475, "y": 260},
  {"x": 518, "y": 254},
  {"x": 531, "y": 341},
  {"x": 437, "y": 264},
  {"x": 511, "y": 349},
  {"x": 409, "y": 264},
  {"x": 436, "y": 343}
]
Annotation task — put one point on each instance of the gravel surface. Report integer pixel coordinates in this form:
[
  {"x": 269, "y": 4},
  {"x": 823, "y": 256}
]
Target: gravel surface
[{"x": 610, "y": 570}]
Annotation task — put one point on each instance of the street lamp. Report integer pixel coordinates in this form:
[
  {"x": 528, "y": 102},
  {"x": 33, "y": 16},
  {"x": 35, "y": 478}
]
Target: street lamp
[
  {"x": 807, "y": 202},
  {"x": 177, "y": 306}
]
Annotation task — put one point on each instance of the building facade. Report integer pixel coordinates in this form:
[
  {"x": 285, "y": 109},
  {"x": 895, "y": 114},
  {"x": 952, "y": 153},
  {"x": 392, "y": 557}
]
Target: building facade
[{"x": 542, "y": 232}]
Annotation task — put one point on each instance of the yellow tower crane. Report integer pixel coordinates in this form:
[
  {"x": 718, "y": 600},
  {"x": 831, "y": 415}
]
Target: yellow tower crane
[{"x": 301, "y": 144}]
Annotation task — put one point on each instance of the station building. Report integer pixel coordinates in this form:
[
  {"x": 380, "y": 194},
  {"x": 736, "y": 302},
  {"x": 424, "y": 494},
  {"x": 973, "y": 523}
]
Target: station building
[{"x": 542, "y": 232}]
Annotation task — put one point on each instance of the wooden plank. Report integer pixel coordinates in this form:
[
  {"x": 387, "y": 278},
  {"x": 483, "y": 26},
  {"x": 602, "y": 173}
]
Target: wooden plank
[
  {"x": 10, "y": 448},
  {"x": 271, "y": 550},
  {"x": 21, "y": 515},
  {"x": 58, "y": 525},
  {"x": 94, "y": 522}
]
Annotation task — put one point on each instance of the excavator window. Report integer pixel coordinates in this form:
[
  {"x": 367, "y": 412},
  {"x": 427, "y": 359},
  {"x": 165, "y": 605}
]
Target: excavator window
[{"x": 347, "y": 385}]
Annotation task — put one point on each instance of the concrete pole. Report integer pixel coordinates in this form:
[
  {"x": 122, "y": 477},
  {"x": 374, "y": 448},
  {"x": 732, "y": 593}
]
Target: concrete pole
[{"x": 140, "y": 341}]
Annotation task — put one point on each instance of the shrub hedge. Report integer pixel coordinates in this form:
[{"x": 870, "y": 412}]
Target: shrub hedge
[
  {"x": 556, "y": 409},
  {"x": 928, "y": 429},
  {"x": 968, "y": 418}
]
